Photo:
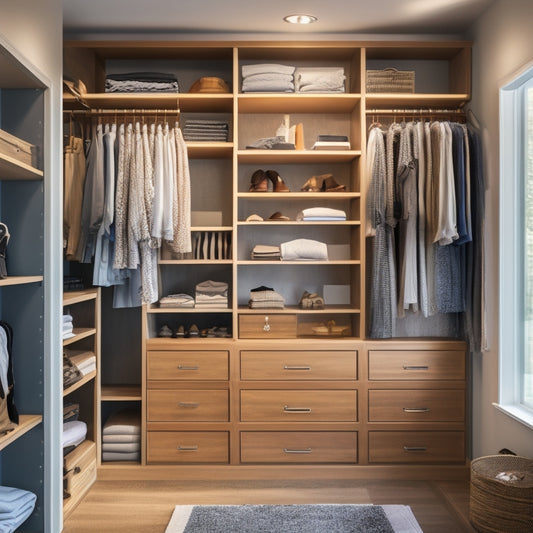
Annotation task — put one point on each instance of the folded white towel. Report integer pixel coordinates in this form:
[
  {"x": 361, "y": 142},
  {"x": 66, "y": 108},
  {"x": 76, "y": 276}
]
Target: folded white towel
[
  {"x": 268, "y": 86},
  {"x": 124, "y": 422},
  {"x": 304, "y": 250},
  {"x": 119, "y": 456},
  {"x": 269, "y": 76},
  {"x": 261, "y": 68},
  {"x": 123, "y": 447},
  {"x": 12, "y": 498},
  {"x": 115, "y": 439},
  {"x": 74, "y": 433},
  {"x": 319, "y": 78},
  {"x": 322, "y": 212}
]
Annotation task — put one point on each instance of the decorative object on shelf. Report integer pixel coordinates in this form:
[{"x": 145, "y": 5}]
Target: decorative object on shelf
[
  {"x": 311, "y": 300},
  {"x": 209, "y": 84},
  {"x": 390, "y": 80},
  {"x": 304, "y": 250},
  {"x": 4, "y": 240},
  {"x": 9, "y": 417},
  {"x": 141, "y": 82},
  {"x": 265, "y": 298},
  {"x": 277, "y": 181},
  {"x": 330, "y": 328},
  {"x": 268, "y": 77},
  {"x": 319, "y": 79}
]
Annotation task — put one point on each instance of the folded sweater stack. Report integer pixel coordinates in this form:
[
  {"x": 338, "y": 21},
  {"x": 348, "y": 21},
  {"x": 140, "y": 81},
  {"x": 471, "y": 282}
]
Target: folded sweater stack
[
  {"x": 304, "y": 250},
  {"x": 68, "y": 327},
  {"x": 139, "y": 82},
  {"x": 212, "y": 295},
  {"x": 319, "y": 79},
  {"x": 205, "y": 130},
  {"x": 267, "y": 77},
  {"x": 16, "y": 505},
  {"x": 121, "y": 436},
  {"x": 263, "y": 252},
  {"x": 321, "y": 213},
  {"x": 178, "y": 300},
  {"x": 265, "y": 298},
  {"x": 84, "y": 360}
]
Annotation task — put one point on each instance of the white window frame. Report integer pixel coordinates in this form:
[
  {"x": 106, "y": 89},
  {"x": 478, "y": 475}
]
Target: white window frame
[{"x": 513, "y": 126}]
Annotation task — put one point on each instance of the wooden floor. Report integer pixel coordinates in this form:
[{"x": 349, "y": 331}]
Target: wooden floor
[{"x": 146, "y": 506}]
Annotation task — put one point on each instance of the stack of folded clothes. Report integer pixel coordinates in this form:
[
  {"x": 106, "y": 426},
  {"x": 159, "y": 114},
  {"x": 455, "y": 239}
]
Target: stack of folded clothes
[
  {"x": 319, "y": 79},
  {"x": 74, "y": 433},
  {"x": 16, "y": 505},
  {"x": 265, "y": 252},
  {"x": 212, "y": 295},
  {"x": 121, "y": 436},
  {"x": 68, "y": 327},
  {"x": 321, "y": 213},
  {"x": 71, "y": 373},
  {"x": 83, "y": 360},
  {"x": 265, "y": 298},
  {"x": 304, "y": 250},
  {"x": 267, "y": 77},
  {"x": 206, "y": 130},
  {"x": 141, "y": 82},
  {"x": 177, "y": 300}
]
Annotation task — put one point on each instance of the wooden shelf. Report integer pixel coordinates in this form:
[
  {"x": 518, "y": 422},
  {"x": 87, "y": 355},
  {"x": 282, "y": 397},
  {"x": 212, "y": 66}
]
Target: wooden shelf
[
  {"x": 26, "y": 422},
  {"x": 291, "y": 309},
  {"x": 79, "y": 333},
  {"x": 85, "y": 379},
  {"x": 299, "y": 263},
  {"x": 20, "y": 280},
  {"x": 414, "y": 100},
  {"x": 121, "y": 393},
  {"x": 12, "y": 169},
  {"x": 209, "y": 150},
  {"x": 153, "y": 308},
  {"x": 195, "y": 261},
  {"x": 300, "y": 222},
  {"x": 297, "y": 103},
  {"x": 281, "y": 157},
  {"x": 299, "y": 195},
  {"x": 74, "y": 297}
]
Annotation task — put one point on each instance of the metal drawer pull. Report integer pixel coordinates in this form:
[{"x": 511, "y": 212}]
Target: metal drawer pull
[
  {"x": 188, "y": 404},
  {"x": 286, "y": 367},
  {"x": 187, "y": 448},
  {"x": 416, "y": 409},
  {"x": 266, "y": 327},
  {"x": 415, "y": 449},
  {"x": 415, "y": 367},
  {"x": 181, "y": 367},
  {"x": 288, "y": 409},
  {"x": 307, "y": 450}
]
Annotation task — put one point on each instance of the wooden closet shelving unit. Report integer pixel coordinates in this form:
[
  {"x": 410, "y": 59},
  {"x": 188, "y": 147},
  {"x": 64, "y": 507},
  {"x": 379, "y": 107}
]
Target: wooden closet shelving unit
[{"x": 242, "y": 415}]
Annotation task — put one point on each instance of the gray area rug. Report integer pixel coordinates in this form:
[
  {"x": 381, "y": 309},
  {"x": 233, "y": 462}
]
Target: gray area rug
[{"x": 315, "y": 518}]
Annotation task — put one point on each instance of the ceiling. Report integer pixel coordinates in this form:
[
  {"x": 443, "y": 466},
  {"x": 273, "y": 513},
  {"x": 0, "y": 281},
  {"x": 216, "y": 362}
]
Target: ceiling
[{"x": 256, "y": 18}]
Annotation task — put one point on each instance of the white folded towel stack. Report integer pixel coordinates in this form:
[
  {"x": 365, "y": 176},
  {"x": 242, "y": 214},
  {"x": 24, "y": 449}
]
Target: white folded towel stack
[
  {"x": 16, "y": 505},
  {"x": 304, "y": 250},
  {"x": 321, "y": 213},
  {"x": 121, "y": 436},
  {"x": 319, "y": 79},
  {"x": 267, "y": 77}
]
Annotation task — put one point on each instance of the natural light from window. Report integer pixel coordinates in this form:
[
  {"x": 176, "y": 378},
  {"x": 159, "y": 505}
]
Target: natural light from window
[{"x": 527, "y": 362}]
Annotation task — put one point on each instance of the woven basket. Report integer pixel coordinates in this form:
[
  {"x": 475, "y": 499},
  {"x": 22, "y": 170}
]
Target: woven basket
[
  {"x": 390, "y": 80},
  {"x": 501, "y": 494}
]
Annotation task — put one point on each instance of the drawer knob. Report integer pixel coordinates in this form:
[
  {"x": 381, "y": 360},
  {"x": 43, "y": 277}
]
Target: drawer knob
[
  {"x": 415, "y": 449},
  {"x": 416, "y": 409},
  {"x": 415, "y": 367},
  {"x": 287, "y": 367},
  {"x": 187, "y": 448},
  {"x": 288, "y": 409},
  {"x": 189, "y": 405},
  {"x": 182, "y": 367},
  {"x": 306, "y": 450},
  {"x": 266, "y": 327}
]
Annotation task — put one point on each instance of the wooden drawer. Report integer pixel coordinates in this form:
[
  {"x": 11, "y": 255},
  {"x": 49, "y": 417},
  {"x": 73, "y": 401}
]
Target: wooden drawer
[
  {"x": 299, "y": 405},
  {"x": 298, "y": 365},
  {"x": 187, "y": 365},
  {"x": 416, "y": 447},
  {"x": 187, "y": 447},
  {"x": 299, "y": 447},
  {"x": 80, "y": 473},
  {"x": 187, "y": 405},
  {"x": 416, "y": 364},
  {"x": 267, "y": 326},
  {"x": 416, "y": 405}
]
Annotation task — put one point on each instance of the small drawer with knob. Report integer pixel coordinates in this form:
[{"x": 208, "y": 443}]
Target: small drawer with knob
[{"x": 267, "y": 326}]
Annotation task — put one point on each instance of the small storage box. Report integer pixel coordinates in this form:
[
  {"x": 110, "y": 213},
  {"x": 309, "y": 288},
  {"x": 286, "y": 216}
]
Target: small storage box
[
  {"x": 390, "y": 80},
  {"x": 18, "y": 149},
  {"x": 501, "y": 494},
  {"x": 266, "y": 326}
]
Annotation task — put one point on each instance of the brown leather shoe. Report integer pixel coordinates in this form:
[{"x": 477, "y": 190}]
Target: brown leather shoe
[
  {"x": 330, "y": 185},
  {"x": 259, "y": 181},
  {"x": 311, "y": 185},
  {"x": 277, "y": 181}
]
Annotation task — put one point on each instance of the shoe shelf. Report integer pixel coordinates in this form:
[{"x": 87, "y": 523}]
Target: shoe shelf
[
  {"x": 12, "y": 169},
  {"x": 297, "y": 156},
  {"x": 299, "y": 195},
  {"x": 299, "y": 263},
  {"x": 155, "y": 309},
  {"x": 299, "y": 223}
]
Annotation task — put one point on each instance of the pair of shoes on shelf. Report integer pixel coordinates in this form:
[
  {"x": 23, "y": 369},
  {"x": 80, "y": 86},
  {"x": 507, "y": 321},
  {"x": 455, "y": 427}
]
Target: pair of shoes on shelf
[
  {"x": 260, "y": 178},
  {"x": 322, "y": 183},
  {"x": 311, "y": 300},
  {"x": 278, "y": 216},
  {"x": 181, "y": 332}
]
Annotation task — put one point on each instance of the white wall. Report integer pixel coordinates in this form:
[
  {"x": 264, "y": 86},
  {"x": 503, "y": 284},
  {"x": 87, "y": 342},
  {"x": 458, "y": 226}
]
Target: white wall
[
  {"x": 503, "y": 43},
  {"x": 34, "y": 30}
]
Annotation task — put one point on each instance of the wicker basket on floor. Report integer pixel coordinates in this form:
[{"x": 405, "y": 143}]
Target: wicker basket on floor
[{"x": 501, "y": 494}]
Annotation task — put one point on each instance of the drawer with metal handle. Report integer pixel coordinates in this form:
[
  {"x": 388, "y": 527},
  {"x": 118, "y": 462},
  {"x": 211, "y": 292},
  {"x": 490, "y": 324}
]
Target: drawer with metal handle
[{"x": 187, "y": 365}]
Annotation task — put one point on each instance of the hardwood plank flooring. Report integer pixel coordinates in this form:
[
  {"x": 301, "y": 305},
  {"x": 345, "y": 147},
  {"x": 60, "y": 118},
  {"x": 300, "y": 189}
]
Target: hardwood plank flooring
[{"x": 146, "y": 506}]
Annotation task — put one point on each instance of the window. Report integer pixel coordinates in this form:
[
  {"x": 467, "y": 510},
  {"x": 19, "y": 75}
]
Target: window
[{"x": 516, "y": 248}]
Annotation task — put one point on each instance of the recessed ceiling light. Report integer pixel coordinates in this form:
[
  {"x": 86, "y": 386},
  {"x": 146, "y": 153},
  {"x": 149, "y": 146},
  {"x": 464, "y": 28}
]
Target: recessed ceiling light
[{"x": 300, "y": 19}]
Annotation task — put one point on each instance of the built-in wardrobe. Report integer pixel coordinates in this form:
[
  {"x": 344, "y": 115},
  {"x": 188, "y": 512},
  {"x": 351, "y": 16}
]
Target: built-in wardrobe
[{"x": 296, "y": 390}]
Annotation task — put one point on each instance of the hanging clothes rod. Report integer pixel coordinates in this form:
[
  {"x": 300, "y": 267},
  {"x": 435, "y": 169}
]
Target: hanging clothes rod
[
  {"x": 407, "y": 111},
  {"x": 112, "y": 112}
]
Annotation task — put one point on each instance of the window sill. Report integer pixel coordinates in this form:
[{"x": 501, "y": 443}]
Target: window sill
[{"x": 518, "y": 413}]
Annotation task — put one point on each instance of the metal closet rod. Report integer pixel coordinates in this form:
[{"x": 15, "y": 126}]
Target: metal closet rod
[
  {"x": 416, "y": 111},
  {"x": 112, "y": 112}
]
